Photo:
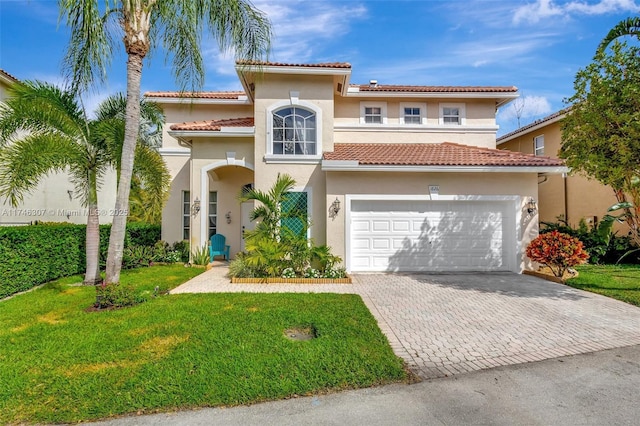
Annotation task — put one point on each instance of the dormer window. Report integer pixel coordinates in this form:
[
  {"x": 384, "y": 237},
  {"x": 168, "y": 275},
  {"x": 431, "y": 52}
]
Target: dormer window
[{"x": 294, "y": 131}]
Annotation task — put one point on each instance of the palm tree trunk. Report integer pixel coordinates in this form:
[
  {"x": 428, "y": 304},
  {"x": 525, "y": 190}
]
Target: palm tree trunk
[
  {"x": 118, "y": 228},
  {"x": 92, "y": 242}
]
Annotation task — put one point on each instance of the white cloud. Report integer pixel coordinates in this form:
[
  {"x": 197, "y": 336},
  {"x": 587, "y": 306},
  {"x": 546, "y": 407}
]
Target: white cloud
[
  {"x": 525, "y": 108},
  {"x": 533, "y": 13},
  {"x": 300, "y": 27}
]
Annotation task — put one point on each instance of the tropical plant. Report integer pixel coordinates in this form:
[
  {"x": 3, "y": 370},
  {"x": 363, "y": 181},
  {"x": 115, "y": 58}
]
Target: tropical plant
[
  {"x": 149, "y": 188},
  {"x": 45, "y": 129},
  {"x": 629, "y": 26},
  {"x": 601, "y": 130},
  {"x": 274, "y": 249},
  {"x": 557, "y": 251},
  {"x": 142, "y": 25},
  {"x": 200, "y": 256}
]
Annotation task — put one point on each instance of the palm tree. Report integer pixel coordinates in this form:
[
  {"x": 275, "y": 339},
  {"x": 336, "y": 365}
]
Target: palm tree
[
  {"x": 178, "y": 26},
  {"x": 630, "y": 26},
  {"x": 43, "y": 129},
  {"x": 269, "y": 213}
]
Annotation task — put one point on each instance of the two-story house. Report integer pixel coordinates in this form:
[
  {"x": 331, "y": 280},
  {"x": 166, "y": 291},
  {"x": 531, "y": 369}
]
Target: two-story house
[
  {"x": 54, "y": 198},
  {"x": 394, "y": 178},
  {"x": 571, "y": 197}
]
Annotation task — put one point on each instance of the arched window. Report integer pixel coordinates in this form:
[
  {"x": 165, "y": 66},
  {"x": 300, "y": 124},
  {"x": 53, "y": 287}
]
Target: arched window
[{"x": 294, "y": 131}]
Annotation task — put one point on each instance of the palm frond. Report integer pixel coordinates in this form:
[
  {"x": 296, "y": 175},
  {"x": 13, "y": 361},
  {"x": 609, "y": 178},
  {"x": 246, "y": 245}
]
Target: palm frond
[
  {"x": 37, "y": 107},
  {"x": 630, "y": 26},
  {"x": 90, "y": 44},
  {"x": 24, "y": 163},
  {"x": 154, "y": 178}
]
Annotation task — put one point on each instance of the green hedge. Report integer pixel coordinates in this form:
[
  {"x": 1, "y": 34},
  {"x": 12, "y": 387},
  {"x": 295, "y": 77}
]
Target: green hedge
[{"x": 32, "y": 255}]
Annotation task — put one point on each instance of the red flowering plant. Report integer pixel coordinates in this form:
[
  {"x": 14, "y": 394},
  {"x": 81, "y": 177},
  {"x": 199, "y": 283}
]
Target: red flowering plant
[{"x": 557, "y": 251}]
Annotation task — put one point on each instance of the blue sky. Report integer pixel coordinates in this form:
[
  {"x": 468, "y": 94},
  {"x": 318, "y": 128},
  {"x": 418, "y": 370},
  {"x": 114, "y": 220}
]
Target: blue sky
[{"x": 536, "y": 45}]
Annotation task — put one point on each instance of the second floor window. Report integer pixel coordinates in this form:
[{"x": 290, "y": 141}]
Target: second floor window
[
  {"x": 373, "y": 115},
  {"x": 294, "y": 132},
  {"x": 451, "y": 115},
  {"x": 412, "y": 115},
  {"x": 538, "y": 145}
]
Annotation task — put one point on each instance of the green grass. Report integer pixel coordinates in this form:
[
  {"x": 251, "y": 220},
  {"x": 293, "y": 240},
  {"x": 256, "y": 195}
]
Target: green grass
[
  {"x": 59, "y": 363},
  {"x": 620, "y": 282}
]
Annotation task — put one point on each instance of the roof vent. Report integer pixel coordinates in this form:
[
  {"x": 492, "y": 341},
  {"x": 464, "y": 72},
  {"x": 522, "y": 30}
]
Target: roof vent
[{"x": 373, "y": 83}]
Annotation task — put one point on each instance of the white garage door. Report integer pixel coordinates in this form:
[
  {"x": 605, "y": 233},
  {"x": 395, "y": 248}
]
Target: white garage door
[{"x": 431, "y": 235}]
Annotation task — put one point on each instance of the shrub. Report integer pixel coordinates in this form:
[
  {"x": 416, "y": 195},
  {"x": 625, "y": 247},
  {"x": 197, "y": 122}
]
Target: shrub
[
  {"x": 36, "y": 254},
  {"x": 238, "y": 267},
  {"x": 137, "y": 256},
  {"x": 603, "y": 246},
  {"x": 200, "y": 256},
  {"x": 182, "y": 247},
  {"x": 558, "y": 251},
  {"x": 116, "y": 296},
  {"x": 32, "y": 255}
]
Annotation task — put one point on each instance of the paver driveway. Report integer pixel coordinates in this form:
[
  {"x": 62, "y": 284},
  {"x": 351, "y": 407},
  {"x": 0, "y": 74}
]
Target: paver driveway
[{"x": 453, "y": 323}]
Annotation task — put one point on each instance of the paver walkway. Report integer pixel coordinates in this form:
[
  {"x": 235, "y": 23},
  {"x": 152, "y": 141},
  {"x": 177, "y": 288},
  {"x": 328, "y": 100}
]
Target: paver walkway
[{"x": 454, "y": 323}]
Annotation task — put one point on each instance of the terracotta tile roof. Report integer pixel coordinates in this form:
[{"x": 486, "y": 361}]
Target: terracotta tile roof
[
  {"x": 195, "y": 95},
  {"x": 214, "y": 125},
  {"x": 443, "y": 154},
  {"x": 533, "y": 124},
  {"x": 280, "y": 64},
  {"x": 7, "y": 75},
  {"x": 434, "y": 89}
]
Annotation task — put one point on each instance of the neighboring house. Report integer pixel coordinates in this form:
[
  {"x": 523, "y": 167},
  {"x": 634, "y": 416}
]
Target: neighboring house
[
  {"x": 572, "y": 197},
  {"x": 393, "y": 178},
  {"x": 53, "y": 200}
]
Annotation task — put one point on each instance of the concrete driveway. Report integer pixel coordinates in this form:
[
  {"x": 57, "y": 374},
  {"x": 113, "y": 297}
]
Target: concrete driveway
[{"x": 447, "y": 324}]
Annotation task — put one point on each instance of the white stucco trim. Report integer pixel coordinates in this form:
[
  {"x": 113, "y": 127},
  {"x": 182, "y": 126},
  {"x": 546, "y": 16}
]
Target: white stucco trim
[
  {"x": 500, "y": 97},
  {"x": 227, "y": 132},
  {"x": 516, "y": 201},
  {"x": 412, "y": 128},
  {"x": 175, "y": 152},
  {"x": 204, "y": 189},
  {"x": 242, "y": 100},
  {"x": 354, "y": 166}
]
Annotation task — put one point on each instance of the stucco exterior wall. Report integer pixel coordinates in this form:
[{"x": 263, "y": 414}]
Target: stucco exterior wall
[
  {"x": 523, "y": 185},
  {"x": 179, "y": 168},
  {"x": 317, "y": 90},
  {"x": 574, "y": 197},
  {"x": 479, "y": 128},
  {"x": 187, "y": 112}
]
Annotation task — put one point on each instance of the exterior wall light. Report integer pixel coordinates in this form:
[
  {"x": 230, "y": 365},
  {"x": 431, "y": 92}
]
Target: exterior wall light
[
  {"x": 334, "y": 209},
  {"x": 532, "y": 208},
  {"x": 195, "y": 207}
]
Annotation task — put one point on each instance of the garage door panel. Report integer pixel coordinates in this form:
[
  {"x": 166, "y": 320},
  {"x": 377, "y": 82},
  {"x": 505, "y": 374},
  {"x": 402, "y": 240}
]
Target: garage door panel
[{"x": 429, "y": 236}]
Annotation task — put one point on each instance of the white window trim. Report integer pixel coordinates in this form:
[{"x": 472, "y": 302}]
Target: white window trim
[
  {"x": 460, "y": 106},
  {"x": 423, "y": 112},
  {"x": 270, "y": 157},
  {"x": 383, "y": 112},
  {"x": 535, "y": 148}
]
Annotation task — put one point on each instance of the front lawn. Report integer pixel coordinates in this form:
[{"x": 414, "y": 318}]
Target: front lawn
[
  {"x": 620, "y": 282},
  {"x": 59, "y": 363}
]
